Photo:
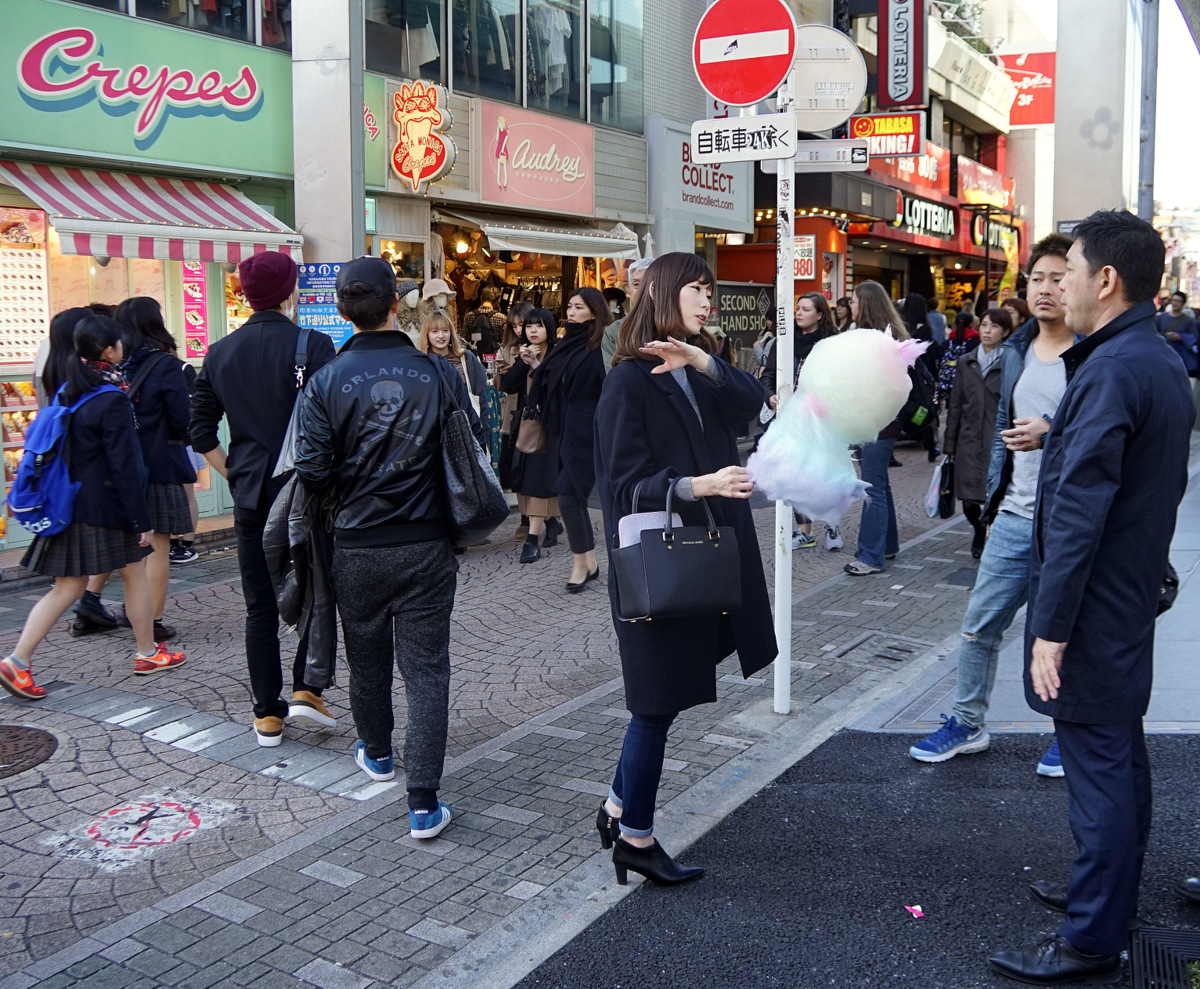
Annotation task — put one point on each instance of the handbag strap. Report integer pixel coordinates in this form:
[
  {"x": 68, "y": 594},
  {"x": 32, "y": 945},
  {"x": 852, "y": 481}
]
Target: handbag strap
[
  {"x": 668, "y": 529},
  {"x": 301, "y": 360}
]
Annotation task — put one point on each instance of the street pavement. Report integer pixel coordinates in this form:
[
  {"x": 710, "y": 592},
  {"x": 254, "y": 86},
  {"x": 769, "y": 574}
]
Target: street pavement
[{"x": 159, "y": 845}]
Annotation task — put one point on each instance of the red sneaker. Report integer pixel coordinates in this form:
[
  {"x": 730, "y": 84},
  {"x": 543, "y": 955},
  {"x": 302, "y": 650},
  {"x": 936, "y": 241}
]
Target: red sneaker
[
  {"x": 161, "y": 660},
  {"x": 19, "y": 682}
]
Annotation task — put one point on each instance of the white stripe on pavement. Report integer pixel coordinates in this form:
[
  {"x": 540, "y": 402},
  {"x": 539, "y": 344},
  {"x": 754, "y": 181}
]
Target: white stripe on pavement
[{"x": 760, "y": 44}]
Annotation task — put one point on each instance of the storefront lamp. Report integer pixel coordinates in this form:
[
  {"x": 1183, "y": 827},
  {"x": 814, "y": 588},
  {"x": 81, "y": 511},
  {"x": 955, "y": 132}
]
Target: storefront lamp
[
  {"x": 461, "y": 248},
  {"x": 958, "y": 265}
]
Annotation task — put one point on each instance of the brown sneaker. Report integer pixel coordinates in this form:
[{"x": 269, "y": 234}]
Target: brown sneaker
[
  {"x": 306, "y": 704},
  {"x": 269, "y": 731}
]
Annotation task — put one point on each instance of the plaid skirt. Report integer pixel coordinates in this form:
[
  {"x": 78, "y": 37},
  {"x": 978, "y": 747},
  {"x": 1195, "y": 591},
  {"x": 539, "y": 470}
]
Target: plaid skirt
[
  {"x": 81, "y": 550},
  {"x": 169, "y": 511}
]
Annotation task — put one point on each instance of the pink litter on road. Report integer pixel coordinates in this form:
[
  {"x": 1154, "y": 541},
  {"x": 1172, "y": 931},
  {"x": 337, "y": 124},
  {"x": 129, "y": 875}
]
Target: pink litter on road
[{"x": 915, "y": 911}]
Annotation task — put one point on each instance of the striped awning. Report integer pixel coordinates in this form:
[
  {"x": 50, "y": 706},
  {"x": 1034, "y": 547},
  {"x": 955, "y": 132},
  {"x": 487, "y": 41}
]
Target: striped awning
[{"x": 129, "y": 215}]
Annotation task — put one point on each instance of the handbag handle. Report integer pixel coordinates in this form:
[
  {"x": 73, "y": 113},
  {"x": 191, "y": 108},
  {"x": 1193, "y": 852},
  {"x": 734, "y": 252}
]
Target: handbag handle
[{"x": 668, "y": 529}]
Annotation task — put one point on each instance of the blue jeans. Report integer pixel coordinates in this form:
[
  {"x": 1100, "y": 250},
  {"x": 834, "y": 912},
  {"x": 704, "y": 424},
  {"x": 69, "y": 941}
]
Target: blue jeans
[
  {"x": 1001, "y": 587},
  {"x": 878, "y": 536},
  {"x": 635, "y": 784}
]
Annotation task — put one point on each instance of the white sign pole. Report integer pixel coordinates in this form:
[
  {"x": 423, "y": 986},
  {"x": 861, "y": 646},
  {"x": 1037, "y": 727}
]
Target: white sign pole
[{"x": 785, "y": 348}]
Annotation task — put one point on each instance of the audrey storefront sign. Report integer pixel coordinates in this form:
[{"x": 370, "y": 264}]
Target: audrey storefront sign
[
  {"x": 67, "y": 68},
  {"x": 530, "y": 159}
]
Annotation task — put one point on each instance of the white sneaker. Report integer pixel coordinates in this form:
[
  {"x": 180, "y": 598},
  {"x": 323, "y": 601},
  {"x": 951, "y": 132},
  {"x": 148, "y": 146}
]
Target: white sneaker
[{"x": 833, "y": 538}]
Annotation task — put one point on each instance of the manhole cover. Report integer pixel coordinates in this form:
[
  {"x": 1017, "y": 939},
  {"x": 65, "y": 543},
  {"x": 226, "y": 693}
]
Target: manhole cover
[{"x": 23, "y": 748}]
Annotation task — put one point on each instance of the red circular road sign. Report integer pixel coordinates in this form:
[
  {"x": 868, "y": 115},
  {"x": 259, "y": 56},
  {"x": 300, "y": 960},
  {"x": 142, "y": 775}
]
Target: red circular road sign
[{"x": 744, "y": 49}]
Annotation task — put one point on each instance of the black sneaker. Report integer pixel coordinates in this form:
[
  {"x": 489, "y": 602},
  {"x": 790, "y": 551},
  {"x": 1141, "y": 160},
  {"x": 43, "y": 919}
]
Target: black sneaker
[{"x": 182, "y": 552}]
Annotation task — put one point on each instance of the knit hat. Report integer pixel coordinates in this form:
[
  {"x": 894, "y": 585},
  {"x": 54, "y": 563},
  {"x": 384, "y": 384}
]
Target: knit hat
[{"x": 267, "y": 279}]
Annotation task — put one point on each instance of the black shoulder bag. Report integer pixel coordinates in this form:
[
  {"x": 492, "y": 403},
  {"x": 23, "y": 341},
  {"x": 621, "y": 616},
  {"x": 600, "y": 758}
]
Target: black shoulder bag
[
  {"x": 678, "y": 571},
  {"x": 475, "y": 502}
]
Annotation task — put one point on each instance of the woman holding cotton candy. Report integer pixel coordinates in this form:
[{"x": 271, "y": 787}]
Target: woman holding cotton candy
[{"x": 668, "y": 410}]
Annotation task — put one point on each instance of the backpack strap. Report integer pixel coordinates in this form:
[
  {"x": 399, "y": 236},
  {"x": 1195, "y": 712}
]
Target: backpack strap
[
  {"x": 143, "y": 372},
  {"x": 301, "y": 363}
]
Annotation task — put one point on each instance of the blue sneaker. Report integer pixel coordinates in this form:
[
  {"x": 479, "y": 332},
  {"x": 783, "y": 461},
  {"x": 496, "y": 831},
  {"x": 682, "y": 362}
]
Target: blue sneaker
[
  {"x": 950, "y": 740},
  {"x": 377, "y": 769},
  {"x": 428, "y": 823},
  {"x": 1051, "y": 764}
]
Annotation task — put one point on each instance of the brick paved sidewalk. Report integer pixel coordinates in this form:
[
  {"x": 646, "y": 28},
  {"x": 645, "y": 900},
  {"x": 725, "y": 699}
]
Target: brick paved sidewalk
[{"x": 300, "y": 870}]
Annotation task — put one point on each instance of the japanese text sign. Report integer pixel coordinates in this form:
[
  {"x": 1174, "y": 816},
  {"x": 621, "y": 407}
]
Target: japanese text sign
[{"x": 744, "y": 138}]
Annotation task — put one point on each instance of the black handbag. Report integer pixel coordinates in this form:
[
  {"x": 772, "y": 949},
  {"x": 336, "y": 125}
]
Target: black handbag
[
  {"x": 475, "y": 501},
  {"x": 946, "y": 490},
  {"x": 678, "y": 571}
]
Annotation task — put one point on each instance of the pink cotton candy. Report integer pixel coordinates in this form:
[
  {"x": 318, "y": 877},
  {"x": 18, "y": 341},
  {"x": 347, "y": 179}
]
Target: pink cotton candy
[{"x": 851, "y": 386}]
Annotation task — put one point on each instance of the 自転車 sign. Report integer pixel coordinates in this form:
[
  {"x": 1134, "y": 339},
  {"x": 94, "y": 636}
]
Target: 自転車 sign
[{"x": 744, "y": 138}]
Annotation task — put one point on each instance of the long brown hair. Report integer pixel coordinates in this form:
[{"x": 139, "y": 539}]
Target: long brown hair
[
  {"x": 656, "y": 315},
  {"x": 601, "y": 314},
  {"x": 825, "y": 321},
  {"x": 511, "y": 337},
  {"x": 876, "y": 311}
]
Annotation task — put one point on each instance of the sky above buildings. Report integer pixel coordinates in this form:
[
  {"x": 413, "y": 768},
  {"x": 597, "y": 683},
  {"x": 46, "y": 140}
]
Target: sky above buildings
[{"x": 1176, "y": 146}]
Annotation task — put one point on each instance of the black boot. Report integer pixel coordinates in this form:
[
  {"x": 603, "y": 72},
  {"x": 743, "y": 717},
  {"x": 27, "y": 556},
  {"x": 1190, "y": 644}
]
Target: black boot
[
  {"x": 651, "y": 862},
  {"x": 979, "y": 541},
  {"x": 608, "y": 826},
  {"x": 554, "y": 529},
  {"x": 530, "y": 551}
]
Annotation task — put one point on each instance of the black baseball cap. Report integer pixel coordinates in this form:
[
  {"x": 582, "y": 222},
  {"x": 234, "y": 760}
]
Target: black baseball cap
[{"x": 375, "y": 272}]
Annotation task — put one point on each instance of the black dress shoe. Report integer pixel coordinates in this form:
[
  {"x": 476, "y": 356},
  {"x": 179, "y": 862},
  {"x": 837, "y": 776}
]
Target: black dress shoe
[
  {"x": 651, "y": 862},
  {"x": 1052, "y": 895},
  {"x": 530, "y": 551},
  {"x": 1056, "y": 961},
  {"x": 1189, "y": 888},
  {"x": 608, "y": 826},
  {"x": 573, "y": 588}
]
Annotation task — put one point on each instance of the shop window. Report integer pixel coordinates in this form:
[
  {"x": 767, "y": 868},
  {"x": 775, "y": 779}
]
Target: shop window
[
  {"x": 615, "y": 73},
  {"x": 404, "y": 38},
  {"x": 486, "y": 62},
  {"x": 407, "y": 257},
  {"x": 230, "y": 18},
  {"x": 277, "y": 24},
  {"x": 117, "y": 5},
  {"x": 554, "y": 66}
]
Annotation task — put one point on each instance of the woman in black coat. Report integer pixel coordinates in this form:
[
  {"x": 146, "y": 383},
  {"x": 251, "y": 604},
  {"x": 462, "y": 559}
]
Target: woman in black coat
[
  {"x": 669, "y": 410},
  {"x": 567, "y": 389},
  {"x": 110, "y": 521}
]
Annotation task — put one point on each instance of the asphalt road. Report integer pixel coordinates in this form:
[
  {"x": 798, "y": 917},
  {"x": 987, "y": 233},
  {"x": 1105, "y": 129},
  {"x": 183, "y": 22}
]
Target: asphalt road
[{"x": 807, "y": 883}]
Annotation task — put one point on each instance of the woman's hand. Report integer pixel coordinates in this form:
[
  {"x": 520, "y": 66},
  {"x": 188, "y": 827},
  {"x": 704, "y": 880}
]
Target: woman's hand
[
  {"x": 728, "y": 482},
  {"x": 145, "y": 537},
  {"x": 773, "y": 403},
  {"x": 529, "y": 357},
  {"x": 676, "y": 354}
]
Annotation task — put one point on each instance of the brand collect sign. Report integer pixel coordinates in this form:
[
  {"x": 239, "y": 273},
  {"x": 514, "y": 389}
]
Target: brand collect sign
[
  {"x": 125, "y": 88},
  {"x": 530, "y": 159}
]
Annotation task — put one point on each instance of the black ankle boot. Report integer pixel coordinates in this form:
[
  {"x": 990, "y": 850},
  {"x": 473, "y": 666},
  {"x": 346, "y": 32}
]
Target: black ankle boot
[
  {"x": 651, "y": 862},
  {"x": 530, "y": 551},
  {"x": 608, "y": 826},
  {"x": 978, "y": 542}
]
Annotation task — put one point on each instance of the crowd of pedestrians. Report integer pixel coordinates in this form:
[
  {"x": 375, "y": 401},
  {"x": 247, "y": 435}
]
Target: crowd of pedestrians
[{"x": 1046, "y": 402}]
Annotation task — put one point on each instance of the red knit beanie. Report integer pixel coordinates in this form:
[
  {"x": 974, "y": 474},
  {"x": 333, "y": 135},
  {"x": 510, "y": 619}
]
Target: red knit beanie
[{"x": 267, "y": 279}]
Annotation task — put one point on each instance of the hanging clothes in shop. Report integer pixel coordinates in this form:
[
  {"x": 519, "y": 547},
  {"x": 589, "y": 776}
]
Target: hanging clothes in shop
[{"x": 556, "y": 26}]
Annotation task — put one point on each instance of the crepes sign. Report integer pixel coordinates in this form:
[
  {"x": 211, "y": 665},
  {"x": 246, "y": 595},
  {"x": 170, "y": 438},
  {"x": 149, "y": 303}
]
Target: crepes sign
[{"x": 422, "y": 152}]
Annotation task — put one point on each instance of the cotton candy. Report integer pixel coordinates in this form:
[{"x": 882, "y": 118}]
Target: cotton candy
[{"x": 851, "y": 386}]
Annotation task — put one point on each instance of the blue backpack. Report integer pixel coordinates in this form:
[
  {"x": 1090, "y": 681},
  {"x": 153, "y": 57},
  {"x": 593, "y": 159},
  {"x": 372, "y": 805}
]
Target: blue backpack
[{"x": 43, "y": 494}]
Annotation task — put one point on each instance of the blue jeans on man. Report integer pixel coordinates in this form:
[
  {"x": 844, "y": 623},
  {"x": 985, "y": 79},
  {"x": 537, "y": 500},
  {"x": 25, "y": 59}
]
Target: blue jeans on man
[{"x": 1001, "y": 588}]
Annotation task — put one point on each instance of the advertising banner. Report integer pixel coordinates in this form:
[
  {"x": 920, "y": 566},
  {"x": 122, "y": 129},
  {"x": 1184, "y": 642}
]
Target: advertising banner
[
  {"x": 317, "y": 306},
  {"x": 804, "y": 259},
  {"x": 533, "y": 160},
  {"x": 979, "y": 184},
  {"x": 195, "y": 310},
  {"x": 929, "y": 170},
  {"x": 891, "y": 135},
  {"x": 902, "y": 70},
  {"x": 1033, "y": 75},
  {"x": 125, "y": 88}
]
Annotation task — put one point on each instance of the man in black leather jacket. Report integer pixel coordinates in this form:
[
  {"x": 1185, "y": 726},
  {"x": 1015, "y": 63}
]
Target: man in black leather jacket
[{"x": 370, "y": 427}]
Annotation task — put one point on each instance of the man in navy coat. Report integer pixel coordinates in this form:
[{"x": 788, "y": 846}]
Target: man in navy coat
[{"x": 1114, "y": 469}]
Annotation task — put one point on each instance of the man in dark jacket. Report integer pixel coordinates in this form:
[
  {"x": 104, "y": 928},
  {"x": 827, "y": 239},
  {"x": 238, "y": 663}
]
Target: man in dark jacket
[
  {"x": 1114, "y": 469},
  {"x": 370, "y": 428},
  {"x": 250, "y": 378},
  {"x": 1032, "y": 381}
]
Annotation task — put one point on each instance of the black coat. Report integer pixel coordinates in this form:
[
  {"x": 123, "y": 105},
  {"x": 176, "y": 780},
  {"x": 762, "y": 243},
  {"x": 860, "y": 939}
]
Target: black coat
[
  {"x": 162, "y": 409},
  {"x": 971, "y": 425},
  {"x": 646, "y": 430},
  {"x": 249, "y": 378},
  {"x": 105, "y": 457},
  {"x": 530, "y": 473},
  {"x": 1114, "y": 468},
  {"x": 570, "y": 389}
]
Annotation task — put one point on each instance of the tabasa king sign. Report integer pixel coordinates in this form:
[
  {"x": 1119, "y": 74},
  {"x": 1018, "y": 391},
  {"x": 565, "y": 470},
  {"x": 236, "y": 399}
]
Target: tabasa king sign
[
  {"x": 534, "y": 160},
  {"x": 891, "y": 135},
  {"x": 422, "y": 152},
  {"x": 67, "y": 67}
]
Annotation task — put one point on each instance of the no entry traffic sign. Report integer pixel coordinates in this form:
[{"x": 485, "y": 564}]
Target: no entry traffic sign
[{"x": 743, "y": 49}]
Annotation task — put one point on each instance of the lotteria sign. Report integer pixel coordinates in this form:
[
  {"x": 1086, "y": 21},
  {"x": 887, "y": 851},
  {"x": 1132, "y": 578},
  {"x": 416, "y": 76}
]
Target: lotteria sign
[
  {"x": 89, "y": 82},
  {"x": 530, "y": 159},
  {"x": 902, "y": 71}
]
